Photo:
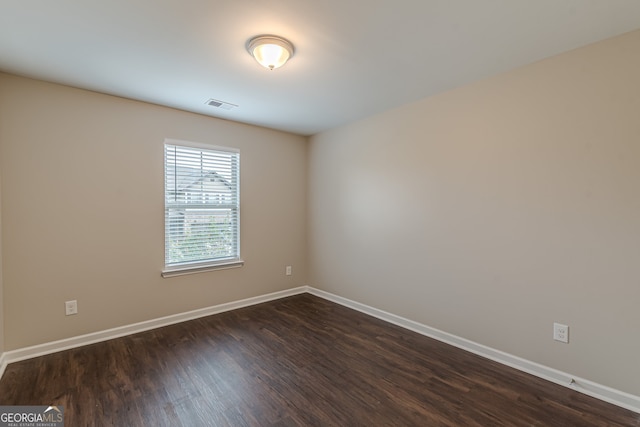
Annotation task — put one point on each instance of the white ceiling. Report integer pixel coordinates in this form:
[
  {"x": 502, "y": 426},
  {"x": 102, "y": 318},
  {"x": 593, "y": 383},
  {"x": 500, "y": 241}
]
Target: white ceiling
[{"x": 354, "y": 58}]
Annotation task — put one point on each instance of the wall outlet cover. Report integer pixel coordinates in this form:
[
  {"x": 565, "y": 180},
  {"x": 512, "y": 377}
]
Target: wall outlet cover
[{"x": 561, "y": 332}]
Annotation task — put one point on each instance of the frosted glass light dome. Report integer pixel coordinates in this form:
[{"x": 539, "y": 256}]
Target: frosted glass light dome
[{"x": 270, "y": 51}]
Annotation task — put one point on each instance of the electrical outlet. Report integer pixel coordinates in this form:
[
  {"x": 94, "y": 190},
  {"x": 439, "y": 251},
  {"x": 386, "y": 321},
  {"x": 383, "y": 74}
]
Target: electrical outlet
[
  {"x": 287, "y": 270},
  {"x": 71, "y": 307},
  {"x": 561, "y": 332}
]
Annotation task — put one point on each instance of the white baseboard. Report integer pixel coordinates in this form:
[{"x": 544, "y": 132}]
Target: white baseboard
[
  {"x": 94, "y": 337},
  {"x": 590, "y": 388},
  {"x": 3, "y": 364},
  {"x": 607, "y": 394}
]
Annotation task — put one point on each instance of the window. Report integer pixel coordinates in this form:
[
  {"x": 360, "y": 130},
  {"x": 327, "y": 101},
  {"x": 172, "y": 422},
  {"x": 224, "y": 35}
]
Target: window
[{"x": 201, "y": 208}]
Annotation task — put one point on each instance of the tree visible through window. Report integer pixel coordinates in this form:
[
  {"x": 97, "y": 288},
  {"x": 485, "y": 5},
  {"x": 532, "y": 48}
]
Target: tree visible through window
[{"x": 202, "y": 215}]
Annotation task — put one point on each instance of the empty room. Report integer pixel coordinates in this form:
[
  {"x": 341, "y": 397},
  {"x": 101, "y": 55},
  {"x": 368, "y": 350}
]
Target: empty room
[{"x": 304, "y": 213}]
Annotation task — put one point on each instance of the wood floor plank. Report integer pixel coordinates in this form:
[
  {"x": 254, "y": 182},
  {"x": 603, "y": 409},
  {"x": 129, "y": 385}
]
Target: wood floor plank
[{"x": 298, "y": 361}]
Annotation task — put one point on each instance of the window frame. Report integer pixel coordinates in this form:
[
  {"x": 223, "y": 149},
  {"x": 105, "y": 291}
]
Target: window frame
[{"x": 191, "y": 267}]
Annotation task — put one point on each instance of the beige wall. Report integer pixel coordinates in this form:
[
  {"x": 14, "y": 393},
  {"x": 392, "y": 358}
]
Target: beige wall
[
  {"x": 1, "y": 282},
  {"x": 82, "y": 211},
  {"x": 491, "y": 211}
]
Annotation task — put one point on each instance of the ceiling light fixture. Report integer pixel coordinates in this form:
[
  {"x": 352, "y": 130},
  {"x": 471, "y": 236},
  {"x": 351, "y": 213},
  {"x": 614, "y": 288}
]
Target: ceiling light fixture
[{"x": 270, "y": 51}]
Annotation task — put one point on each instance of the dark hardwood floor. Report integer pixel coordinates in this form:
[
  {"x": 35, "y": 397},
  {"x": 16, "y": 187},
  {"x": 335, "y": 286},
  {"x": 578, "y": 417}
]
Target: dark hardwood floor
[{"x": 298, "y": 361}]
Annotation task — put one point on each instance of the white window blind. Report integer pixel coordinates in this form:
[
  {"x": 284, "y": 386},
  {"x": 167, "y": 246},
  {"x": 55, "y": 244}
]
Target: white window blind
[{"x": 202, "y": 206}]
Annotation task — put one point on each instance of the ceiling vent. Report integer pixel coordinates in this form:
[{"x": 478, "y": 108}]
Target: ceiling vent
[{"x": 220, "y": 104}]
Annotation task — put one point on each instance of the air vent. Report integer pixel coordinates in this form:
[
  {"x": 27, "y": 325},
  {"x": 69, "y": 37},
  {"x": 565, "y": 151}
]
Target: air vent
[{"x": 220, "y": 104}]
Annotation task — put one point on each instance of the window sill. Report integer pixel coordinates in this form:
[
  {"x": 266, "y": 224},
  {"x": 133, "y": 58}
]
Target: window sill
[{"x": 201, "y": 268}]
